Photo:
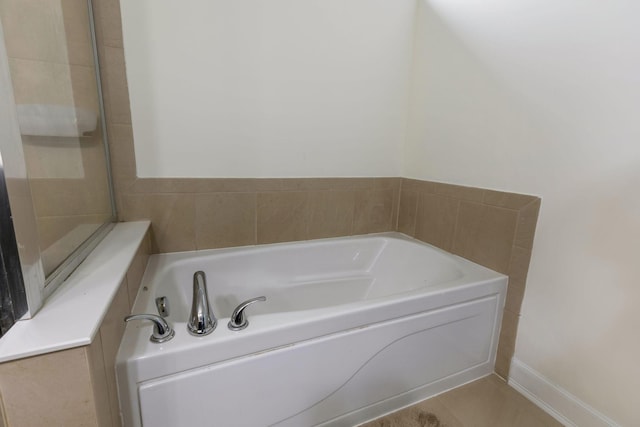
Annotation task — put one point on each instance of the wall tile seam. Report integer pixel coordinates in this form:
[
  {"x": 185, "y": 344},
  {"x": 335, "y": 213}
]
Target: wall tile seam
[
  {"x": 514, "y": 243},
  {"x": 92, "y": 380},
  {"x": 114, "y": 121},
  {"x": 255, "y": 219},
  {"x": 352, "y": 225},
  {"x": 497, "y": 205},
  {"x": 446, "y": 189},
  {"x": 516, "y": 315},
  {"x": 44, "y": 61},
  {"x": 129, "y": 286},
  {"x": 118, "y": 122},
  {"x": 133, "y": 190},
  {"x": 199, "y": 193},
  {"x": 112, "y": 43},
  {"x": 197, "y": 222},
  {"x": 513, "y": 254},
  {"x": 536, "y": 199},
  {"x": 395, "y": 209},
  {"x": 309, "y": 222},
  {"x": 456, "y": 224},
  {"x": 473, "y": 202},
  {"x": 519, "y": 225},
  {"x": 3, "y": 412},
  {"x": 415, "y": 215},
  {"x": 88, "y": 215},
  {"x": 415, "y": 210},
  {"x": 106, "y": 373}
]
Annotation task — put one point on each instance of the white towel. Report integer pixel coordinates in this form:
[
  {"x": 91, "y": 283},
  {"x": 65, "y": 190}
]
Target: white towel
[{"x": 55, "y": 120}]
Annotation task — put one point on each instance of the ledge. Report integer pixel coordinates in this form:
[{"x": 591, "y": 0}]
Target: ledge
[{"x": 72, "y": 315}]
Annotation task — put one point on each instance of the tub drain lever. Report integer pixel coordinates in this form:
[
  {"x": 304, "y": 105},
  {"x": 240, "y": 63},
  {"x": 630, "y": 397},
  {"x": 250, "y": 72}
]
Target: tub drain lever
[
  {"x": 238, "y": 319},
  {"x": 162, "y": 331}
]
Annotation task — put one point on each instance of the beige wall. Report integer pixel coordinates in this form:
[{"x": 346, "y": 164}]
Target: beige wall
[
  {"x": 541, "y": 97},
  {"x": 75, "y": 387}
]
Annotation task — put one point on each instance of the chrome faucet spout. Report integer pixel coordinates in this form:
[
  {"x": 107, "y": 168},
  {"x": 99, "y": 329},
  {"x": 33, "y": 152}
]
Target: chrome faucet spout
[{"x": 201, "y": 320}]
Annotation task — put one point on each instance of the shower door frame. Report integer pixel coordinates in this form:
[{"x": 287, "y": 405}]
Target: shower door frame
[{"x": 37, "y": 285}]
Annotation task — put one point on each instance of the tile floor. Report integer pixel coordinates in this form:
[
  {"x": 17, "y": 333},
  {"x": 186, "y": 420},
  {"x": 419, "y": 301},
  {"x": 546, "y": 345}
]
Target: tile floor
[{"x": 488, "y": 402}]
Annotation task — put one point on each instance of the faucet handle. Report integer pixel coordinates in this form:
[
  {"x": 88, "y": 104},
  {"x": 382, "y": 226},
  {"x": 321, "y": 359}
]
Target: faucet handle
[
  {"x": 238, "y": 319},
  {"x": 162, "y": 331}
]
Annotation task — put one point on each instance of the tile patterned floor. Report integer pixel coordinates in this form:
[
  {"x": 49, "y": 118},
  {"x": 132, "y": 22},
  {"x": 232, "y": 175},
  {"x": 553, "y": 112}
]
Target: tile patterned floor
[{"x": 488, "y": 402}]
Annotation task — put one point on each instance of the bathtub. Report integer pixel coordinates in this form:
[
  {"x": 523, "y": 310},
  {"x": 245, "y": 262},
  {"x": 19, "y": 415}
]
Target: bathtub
[{"x": 352, "y": 328}]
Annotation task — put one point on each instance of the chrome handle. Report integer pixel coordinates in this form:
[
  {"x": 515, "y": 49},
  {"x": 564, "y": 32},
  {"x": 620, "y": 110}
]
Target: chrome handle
[
  {"x": 162, "y": 331},
  {"x": 238, "y": 319}
]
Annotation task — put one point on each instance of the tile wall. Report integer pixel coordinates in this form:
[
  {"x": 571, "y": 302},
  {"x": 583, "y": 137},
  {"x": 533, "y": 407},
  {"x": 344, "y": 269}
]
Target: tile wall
[
  {"x": 214, "y": 213},
  {"x": 494, "y": 229},
  {"x": 75, "y": 387}
]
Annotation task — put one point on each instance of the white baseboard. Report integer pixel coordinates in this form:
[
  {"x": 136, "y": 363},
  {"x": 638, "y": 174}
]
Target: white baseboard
[{"x": 557, "y": 402}]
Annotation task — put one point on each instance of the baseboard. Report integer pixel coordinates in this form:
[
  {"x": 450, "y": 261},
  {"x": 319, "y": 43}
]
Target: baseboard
[{"x": 557, "y": 402}]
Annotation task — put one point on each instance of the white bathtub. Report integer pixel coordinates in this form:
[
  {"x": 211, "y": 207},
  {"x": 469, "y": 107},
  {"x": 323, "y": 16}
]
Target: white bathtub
[{"x": 352, "y": 328}]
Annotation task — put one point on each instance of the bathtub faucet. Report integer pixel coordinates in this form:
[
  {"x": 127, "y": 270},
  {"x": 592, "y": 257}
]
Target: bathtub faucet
[
  {"x": 238, "y": 320},
  {"x": 162, "y": 331},
  {"x": 201, "y": 320}
]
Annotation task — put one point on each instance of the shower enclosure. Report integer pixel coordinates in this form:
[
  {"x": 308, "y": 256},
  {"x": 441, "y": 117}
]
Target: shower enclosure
[{"x": 56, "y": 191}]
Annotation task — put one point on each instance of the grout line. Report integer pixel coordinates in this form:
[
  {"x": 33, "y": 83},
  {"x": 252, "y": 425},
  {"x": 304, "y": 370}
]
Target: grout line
[
  {"x": 255, "y": 218},
  {"x": 395, "y": 228},
  {"x": 415, "y": 213},
  {"x": 455, "y": 226}
]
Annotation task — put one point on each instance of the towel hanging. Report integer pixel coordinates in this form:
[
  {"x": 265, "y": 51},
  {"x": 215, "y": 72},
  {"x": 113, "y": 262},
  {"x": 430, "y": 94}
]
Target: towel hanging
[{"x": 55, "y": 120}]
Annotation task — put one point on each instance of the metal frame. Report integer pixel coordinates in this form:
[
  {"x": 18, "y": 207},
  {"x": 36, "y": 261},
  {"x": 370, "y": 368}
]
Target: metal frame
[
  {"x": 13, "y": 297},
  {"x": 57, "y": 276},
  {"x": 105, "y": 138},
  {"x": 64, "y": 270}
]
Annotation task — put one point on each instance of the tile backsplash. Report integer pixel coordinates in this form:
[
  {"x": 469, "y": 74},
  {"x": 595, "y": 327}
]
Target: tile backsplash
[
  {"x": 214, "y": 213},
  {"x": 492, "y": 228}
]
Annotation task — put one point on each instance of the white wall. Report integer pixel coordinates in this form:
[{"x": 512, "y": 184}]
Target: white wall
[
  {"x": 254, "y": 88},
  {"x": 543, "y": 97}
]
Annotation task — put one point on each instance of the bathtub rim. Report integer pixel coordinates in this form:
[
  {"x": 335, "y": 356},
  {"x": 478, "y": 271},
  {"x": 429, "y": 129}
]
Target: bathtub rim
[{"x": 135, "y": 346}]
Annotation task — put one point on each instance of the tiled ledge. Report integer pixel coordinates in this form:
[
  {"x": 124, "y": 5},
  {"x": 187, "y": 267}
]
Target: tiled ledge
[{"x": 73, "y": 314}]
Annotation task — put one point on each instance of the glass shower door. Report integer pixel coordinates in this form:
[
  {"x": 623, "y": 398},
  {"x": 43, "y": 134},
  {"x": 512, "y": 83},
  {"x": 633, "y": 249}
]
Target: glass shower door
[{"x": 50, "y": 52}]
